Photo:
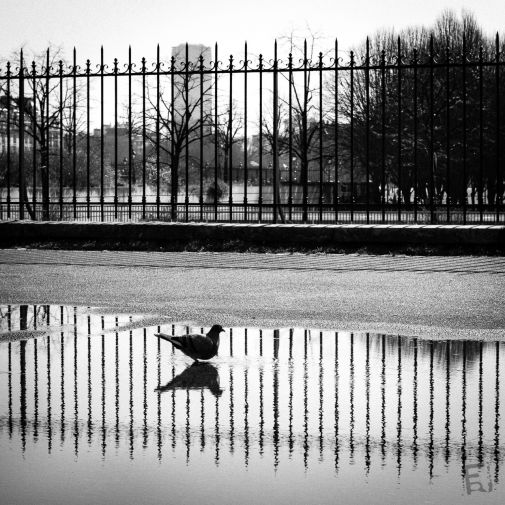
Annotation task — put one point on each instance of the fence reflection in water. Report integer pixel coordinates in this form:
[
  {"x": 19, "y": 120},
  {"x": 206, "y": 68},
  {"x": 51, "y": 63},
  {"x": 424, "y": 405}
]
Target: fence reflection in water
[
  {"x": 384, "y": 134},
  {"x": 102, "y": 382}
]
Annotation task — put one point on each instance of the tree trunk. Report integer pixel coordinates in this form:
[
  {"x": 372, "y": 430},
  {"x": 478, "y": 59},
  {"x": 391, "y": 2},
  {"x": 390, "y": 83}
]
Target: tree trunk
[
  {"x": 25, "y": 201},
  {"x": 44, "y": 171},
  {"x": 304, "y": 179},
  {"x": 175, "y": 187},
  {"x": 280, "y": 210}
]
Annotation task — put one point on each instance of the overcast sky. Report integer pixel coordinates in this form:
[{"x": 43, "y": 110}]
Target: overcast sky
[{"x": 88, "y": 24}]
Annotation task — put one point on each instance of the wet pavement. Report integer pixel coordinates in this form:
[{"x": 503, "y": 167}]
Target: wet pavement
[
  {"x": 95, "y": 409},
  {"x": 432, "y": 297}
]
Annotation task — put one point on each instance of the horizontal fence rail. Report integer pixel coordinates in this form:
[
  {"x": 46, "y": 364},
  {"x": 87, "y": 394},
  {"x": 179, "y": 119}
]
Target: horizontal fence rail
[{"x": 389, "y": 133}]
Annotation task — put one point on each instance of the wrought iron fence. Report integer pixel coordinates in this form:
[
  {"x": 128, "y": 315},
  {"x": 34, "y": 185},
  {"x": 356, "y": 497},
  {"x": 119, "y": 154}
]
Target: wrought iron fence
[
  {"x": 388, "y": 133},
  {"x": 310, "y": 391}
]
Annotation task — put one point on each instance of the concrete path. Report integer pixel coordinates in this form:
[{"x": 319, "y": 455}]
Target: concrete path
[{"x": 435, "y": 297}]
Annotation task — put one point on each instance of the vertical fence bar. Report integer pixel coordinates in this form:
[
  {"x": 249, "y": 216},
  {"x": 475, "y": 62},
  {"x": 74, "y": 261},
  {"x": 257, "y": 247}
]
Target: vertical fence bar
[
  {"x": 399, "y": 131},
  {"x": 130, "y": 149},
  {"x": 260, "y": 195},
  {"x": 481, "y": 139},
  {"x": 275, "y": 135},
  {"x": 34, "y": 133},
  {"x": 321, "y": 131},
  {"x": 46, "y": 179},
  {"x": 21, "y": 137},
  {"x": 187, "y": 122},
  {"x": 290, "y": 139},
  {"x": 383, "y": 134},
  {"x": 158, "y": 128},
  {"x": 143, "y": 138},
  {"x": 337, "y": 160},
  {"x": 88, "y": 209},
  {"x": 60, "y": 111},
  {"x": 230, "y": 142},
  {"x": 115, "y": 141},
  {"x": 448, "y": 135},
  {"x": 304, "y": 161},
  {"x": 245, "y": 133},
  {"x": 367, "y": 128},
  {"x": 174, "y": 159},
  {"x": 8, "y": 131},
  {"x": 351, "y": 134},
  {"x": 415, "y": 63},
  {"x": 216, "y": 131},
  {"x": 202, "y": 119},
  {"x": 74, "y": 134},
  {"x": 499, "y": 183},
  {"x": 431, "y": 146},
  {"x": 465, "y": 190},
  {"x": 102, "y": 168}
]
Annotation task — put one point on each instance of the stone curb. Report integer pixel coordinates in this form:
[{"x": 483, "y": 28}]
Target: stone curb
[{"x": 286, "y": 235}]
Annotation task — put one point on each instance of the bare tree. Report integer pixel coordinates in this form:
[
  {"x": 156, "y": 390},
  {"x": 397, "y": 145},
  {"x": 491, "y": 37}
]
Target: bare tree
[
  {"x": 177, "y": 117},
  {"x": 47, "y": 103},
  {"x": 298, "y": 123},
  {"x": 407, "y": 110},
  {"x": 226, "y": 133}
]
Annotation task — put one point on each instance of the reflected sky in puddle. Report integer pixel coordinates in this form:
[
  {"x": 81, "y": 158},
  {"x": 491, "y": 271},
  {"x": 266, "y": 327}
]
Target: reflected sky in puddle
[{"x": 94, "y": 409}]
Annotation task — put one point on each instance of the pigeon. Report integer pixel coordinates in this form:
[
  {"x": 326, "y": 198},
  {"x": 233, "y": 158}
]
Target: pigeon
[
  {"x": 197, "y": 376},
  {"x": 196, "y": 346}
]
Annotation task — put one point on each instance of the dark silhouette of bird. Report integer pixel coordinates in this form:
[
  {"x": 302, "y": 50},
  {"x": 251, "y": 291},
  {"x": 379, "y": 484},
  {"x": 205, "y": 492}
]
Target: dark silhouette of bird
[
  {"x": 195, "y": 345},
  {"x": 196, "y": 376}
]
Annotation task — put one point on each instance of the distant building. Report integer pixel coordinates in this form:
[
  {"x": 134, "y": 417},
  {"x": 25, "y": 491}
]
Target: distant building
[
  {"x": 119, "y": 136},
  {"x": 193, "y": 91},
  {"x": 9, "y": 136}
]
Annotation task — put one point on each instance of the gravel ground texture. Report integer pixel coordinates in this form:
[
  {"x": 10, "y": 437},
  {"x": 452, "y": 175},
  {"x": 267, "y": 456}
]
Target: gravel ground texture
[{"x": 424, "y": 296}]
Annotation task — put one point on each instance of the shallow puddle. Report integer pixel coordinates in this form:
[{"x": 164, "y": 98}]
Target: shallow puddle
[{"x": 95, "y": 409}]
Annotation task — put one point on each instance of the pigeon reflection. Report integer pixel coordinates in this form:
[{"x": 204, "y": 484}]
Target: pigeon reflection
[{"x": 196, "y": 376}]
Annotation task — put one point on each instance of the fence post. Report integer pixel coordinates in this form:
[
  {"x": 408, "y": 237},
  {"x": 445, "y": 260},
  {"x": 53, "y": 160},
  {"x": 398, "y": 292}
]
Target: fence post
[
  {"x": 229, "y": 140},
  {"x": 290, "y": 141},
  {"x": 465, "y": 186},
  {"x": 216, "y": 137},
  {"x": 260, "y": 175},
  {"x": 335, "y": 187},
  {"x": 45, "y": 178},
  {"x": 448, "y": 139},
  {"x": 274, "y": 140},
  {"x": 245, "y": 133},
  {"x": 367, "y": 128},
  {"x": 130, "y": 148},
  {"x": 102, "y": 168},
  {"x": 8, "y": 132},
  {"x": 74, "y": 133},
  {"x": 433, "y": 161},
  {"x": 499, "y": 179},
  {"x": 115, "y": 140},
  {"x": 33, "y": 126},
  {"x": 321, "y": 130},
  {"x": 21, "y": 134},
  {"x": 351, "y": 134},
  {"x": 304, "y": 162},
  {"x": 399, "y": 132}
]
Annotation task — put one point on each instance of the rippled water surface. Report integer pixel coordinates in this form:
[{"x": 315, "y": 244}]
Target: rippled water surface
[{"x": 94, "y": 409}]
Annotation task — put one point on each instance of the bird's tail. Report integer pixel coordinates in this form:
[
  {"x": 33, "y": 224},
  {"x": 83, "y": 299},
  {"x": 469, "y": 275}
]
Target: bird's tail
[{"x": 168, "y": 338}]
